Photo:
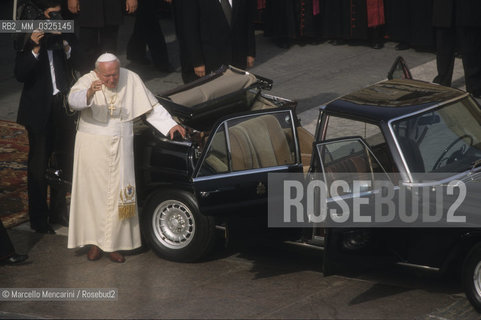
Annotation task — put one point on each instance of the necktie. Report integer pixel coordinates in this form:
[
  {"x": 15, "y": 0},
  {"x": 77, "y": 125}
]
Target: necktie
[{"x": 227, "y": 10}]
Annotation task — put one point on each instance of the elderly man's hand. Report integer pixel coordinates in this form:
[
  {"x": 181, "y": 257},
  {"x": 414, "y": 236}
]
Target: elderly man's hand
[{"x": 177, "y": 128}]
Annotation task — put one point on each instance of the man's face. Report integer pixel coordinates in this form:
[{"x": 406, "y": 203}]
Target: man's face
[{"x": 108, "y": 73}]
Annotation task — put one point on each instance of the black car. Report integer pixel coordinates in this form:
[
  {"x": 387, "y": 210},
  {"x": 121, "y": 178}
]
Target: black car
[
  {"x": 419, "y": 136},
  {"x": 238, "y": 134}
]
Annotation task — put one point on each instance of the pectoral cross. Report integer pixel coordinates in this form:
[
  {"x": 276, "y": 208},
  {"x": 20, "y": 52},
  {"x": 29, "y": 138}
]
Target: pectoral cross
[{"x": 111, "y": 106}]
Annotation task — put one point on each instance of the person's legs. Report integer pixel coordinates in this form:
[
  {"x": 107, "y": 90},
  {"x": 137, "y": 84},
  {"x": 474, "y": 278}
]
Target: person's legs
[
  {"x": 89, "y": 47},
  {"x": 108, "y": 39},
  {"x": 7, "y": 251},
  {"x": 64, "y": 139},
  {"x": 38, "y": 154},
  {"x": 470, "y": 43},
  {"x": 6, "y": 246},
  {"x": 136, "y": 47},
  {"x": 154, "y": 37},
  {"x": 446, "y": 47}
]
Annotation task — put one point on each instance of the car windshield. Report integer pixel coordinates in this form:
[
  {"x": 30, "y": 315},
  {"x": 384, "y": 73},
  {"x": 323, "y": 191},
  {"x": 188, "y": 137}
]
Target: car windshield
[{"x": 446, "y": 139}]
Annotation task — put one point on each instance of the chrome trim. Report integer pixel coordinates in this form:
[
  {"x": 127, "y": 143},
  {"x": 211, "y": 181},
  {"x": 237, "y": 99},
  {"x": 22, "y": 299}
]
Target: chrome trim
[
  {"x": 304, "y": 245},
  {"x": 227, "y": 145},
  {"x": 242, "y": 173},
  {"x": 418, "y": 266},
  {"x": 184, "y": 143},
  {"x": 297, "y": 146},
  {"x": 467, "y": 174},
  {"x": 391, "y": 130}
]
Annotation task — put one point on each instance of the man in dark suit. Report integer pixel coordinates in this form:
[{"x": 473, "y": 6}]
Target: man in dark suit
[
  {"x": 217, "y": 32},
  {"x": 42, "y": 67},
  {"x": 99, "y": 22},
  {"x": 458, "y": 22}
]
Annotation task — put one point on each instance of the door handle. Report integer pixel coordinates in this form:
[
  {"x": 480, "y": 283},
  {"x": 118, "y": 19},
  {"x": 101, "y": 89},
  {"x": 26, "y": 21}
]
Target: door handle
[{"x": 205, "y": 194}]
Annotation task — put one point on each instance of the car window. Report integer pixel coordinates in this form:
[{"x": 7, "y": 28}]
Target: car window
[
  {"x": 341, "y": 127},
  {"x": 255, "y": 141},
  {"x": 216, "y": 160},
  {"x": 446, "y": 139},
  {"x": 261, "y": 141},
  {"x": 348, "y": 160}
]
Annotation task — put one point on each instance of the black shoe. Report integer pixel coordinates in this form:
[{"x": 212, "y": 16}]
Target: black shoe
[
  {"x": 378, "y": 45},
  {"x": 15, "y": 259},
  {"x": 46, "y": 230}
]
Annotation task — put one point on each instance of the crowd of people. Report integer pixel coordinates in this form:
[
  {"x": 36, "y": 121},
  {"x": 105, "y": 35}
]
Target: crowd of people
[
  {"x": 447, "y": 27},
  {"x": 210, "y": 33}
]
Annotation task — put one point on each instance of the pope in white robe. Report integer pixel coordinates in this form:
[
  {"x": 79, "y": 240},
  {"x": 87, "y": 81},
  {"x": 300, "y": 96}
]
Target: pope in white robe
[{"x": 103, "y": 209}]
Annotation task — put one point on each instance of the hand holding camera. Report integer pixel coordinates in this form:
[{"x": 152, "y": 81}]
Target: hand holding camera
[{"x": 36, "y": 36}]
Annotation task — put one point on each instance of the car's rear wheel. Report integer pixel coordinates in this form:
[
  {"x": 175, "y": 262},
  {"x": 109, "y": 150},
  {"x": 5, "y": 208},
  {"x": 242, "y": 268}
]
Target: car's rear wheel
[
  {"x": 174, "y": 227},
  {"x": 471, "y": 276}
]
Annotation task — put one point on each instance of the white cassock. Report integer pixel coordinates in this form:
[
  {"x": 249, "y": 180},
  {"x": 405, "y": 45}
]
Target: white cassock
[{"x": 103, "y": 209}]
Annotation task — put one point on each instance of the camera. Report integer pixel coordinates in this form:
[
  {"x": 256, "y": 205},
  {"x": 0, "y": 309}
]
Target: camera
[
  {"x": 28, "y": 10},
  {"x": 50, "y": 40}
]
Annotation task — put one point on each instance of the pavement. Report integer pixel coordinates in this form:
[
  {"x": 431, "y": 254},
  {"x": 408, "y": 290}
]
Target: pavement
[{"x": 254, "y": 277}]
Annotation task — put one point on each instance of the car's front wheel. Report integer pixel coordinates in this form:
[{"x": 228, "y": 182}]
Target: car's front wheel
[
  {"x": 174, "y": 227},
  {"x": 471, "y": 276}
]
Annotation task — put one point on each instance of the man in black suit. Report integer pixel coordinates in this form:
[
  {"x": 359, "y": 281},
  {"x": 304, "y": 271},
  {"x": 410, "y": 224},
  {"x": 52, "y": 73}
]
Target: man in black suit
[
  {"x": 218, "y": 32},
  {"x": 42, "y": 67},
  {"x": 99, "y": 22}
]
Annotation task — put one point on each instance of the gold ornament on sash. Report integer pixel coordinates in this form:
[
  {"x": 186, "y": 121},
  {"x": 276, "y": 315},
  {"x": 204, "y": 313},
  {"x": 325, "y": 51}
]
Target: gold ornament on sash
[{"x": 127, "y": 202}]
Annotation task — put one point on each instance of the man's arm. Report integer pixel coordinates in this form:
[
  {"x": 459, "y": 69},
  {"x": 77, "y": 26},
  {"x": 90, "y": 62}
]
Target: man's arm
[
  {"x": 26, "y": 61},
  {"x": 81, "y": 95},
  {"x": 161, "y": 119}
]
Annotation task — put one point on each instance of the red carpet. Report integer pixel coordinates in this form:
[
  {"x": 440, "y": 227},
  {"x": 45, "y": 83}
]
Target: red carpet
[{"x": 13, "y": 173}]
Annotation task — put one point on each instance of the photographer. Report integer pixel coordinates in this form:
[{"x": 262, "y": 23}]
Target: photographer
[{"x": 42, "y": 67}]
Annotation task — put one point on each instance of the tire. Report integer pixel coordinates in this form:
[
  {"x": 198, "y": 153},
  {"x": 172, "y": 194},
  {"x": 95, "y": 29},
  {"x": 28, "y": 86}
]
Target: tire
[
  {"x": 471, "y": 276},
  {"x": 174, "y": 227}
]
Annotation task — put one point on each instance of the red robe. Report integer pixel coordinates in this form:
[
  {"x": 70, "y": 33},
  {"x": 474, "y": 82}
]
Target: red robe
[{"x": 375, "y": 13}]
